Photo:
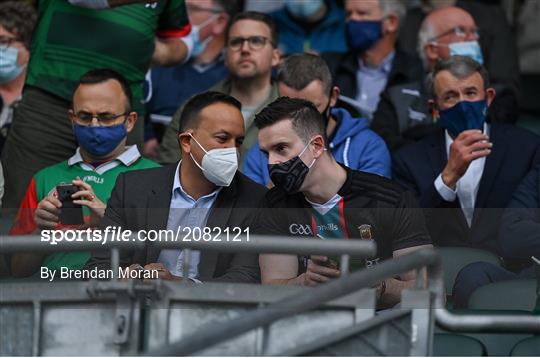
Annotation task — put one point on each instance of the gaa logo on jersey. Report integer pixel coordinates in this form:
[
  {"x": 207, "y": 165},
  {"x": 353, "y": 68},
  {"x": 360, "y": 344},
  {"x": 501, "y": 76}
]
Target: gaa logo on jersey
[
  {"x": 151, "y": 5},
  {"x": 299, "y": 229},
  {"x": 365, "y": 232}
]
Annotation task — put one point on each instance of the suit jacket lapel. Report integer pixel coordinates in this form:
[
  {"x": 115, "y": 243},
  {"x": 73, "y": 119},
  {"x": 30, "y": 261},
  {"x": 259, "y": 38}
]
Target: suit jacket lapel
[
  {"x": 218, "y": 217},
  {"x": 158, "y": 206},
  {"x": 491, "y": 168},
  {"x": 437, "y": 153}
]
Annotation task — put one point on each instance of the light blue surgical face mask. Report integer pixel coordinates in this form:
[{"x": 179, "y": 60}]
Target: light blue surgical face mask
[
  {"x": 467, "y": 48},
  {"x": 303, "y": 9},
  {"x": 200, "y": 45},
  {"x": 9, "y": 68}
]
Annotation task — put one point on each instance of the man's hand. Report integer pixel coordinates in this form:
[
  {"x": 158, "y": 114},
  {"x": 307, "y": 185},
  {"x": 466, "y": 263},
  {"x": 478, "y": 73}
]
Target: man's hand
[
  {"x": 317, "y": 272},
  {"x": 47, "y": 212},
  {"x": 86, "y": 197},
  {"x": 468, "y": 146},
  {"x": 169, "y": 52}
]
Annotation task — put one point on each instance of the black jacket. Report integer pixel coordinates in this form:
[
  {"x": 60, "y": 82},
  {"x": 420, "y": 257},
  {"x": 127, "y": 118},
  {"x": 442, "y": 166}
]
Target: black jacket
[
  {"x": 515, "y": 151},
  {"x": 140, "y": 201},
  {"x": 392, "y": 214},
  {"x": 343, "y": 66}
]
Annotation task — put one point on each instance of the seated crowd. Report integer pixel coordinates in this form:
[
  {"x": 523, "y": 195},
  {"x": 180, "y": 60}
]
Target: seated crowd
[{"x": 361, "y": 120}]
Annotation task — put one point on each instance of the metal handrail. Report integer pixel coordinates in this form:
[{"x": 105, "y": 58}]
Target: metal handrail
[
  {"x": 246, "y": 244},
  {"x": 219, "y": 332}
]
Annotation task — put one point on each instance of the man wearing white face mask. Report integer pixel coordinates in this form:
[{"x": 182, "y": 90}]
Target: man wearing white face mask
[
  {"x": 165, "y": 86},
  {"x": 203, "y": 190},
  {"x": 17, "y": 20}
]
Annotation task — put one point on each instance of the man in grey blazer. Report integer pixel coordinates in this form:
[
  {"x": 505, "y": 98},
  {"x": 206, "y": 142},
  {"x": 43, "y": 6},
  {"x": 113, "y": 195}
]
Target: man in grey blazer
[{"x": 203, "y": 190}]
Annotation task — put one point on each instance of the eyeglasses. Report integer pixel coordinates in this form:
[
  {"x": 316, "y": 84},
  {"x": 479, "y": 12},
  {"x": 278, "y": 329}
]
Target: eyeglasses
[
  {"x": 255, "y": 42},
  {"x": 458, "y": 31},
  {"x": 6, "y": 41},
  {"x": 195, "y": 8},
  {"x": 103, "y": 118}
]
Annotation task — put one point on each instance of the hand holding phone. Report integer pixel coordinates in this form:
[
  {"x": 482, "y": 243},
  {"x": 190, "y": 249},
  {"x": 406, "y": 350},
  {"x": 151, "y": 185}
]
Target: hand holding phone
[{"x": 70, "y": 213}]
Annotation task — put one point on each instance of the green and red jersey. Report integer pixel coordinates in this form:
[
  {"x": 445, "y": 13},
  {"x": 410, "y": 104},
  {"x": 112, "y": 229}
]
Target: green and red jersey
[
  {"x": 102, "y": 179},
  {"x": 71, "y": 40}
]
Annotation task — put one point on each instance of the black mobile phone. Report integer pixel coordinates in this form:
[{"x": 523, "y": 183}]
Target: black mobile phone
[{"x": 70, "y": 213}]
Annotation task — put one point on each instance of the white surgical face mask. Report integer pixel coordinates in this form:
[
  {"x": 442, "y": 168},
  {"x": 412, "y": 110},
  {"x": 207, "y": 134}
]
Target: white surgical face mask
[
  {"x": 200, "y": 45},
  {"x": 469, "y": 49},
  {"x": 218, "y": 165}
]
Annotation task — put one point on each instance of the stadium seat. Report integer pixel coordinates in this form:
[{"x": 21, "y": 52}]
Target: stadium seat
[
  {"x": 456, "y": 345},
  {"x": 505, "y": 295},
  {"x": 529, "y": 347},
  {"x": 455, "y": 258}
]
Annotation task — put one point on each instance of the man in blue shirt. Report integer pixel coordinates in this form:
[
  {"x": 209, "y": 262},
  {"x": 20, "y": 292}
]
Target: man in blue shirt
[
  {"x": 351, "y": 142},
  {"x": 168, "y": 87}
]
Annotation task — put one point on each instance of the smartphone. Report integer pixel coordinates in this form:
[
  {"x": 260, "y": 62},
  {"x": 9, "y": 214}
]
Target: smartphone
[{"x": 70, "y": 213}]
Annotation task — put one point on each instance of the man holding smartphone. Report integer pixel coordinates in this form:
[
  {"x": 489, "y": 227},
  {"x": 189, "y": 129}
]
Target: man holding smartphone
[{"x": 101, "y": 117}]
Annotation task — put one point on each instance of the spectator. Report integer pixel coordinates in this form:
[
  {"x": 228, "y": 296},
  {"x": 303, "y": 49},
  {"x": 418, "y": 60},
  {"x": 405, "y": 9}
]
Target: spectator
[
  {"x": 71, "y": 39},
  {"x": 166, "y": 86},
  {"x": 313, "y": 25},
  {"x": 329, "y": 201},
  {"x": 468, "y": 171},
  {"x": 403, "y": 115},
  {"x": 101, "y": 117},
  {"x": 203, "y": 190},
  {"x": 265, "y": 6},
  {"x": 17, "y": 21},
  {"x": 250, "y": 55},
  {"x": 373, "y": 61},
  {"x": 519, "y": 240},
  {"x": 496, "y": 41},
  {"x": 351, "y": 142}
]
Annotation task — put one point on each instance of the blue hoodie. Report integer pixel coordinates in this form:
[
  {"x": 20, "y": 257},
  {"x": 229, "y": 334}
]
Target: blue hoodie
[
  {"x": 328, "y": 35},
  {"x": 353, "y": 144}
]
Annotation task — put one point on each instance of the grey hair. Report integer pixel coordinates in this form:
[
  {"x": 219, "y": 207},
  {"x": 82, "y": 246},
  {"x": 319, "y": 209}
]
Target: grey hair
[
  {"x": 393, "y": 7},
  {"x": 460, "y": 67},
  {"x": 425, "y": 36}
]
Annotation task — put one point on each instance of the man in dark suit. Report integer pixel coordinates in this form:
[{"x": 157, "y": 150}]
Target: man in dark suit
[
  {"x": 373, "y": 61},
  {"x": 466, "y": 173},
  {"x": 203, "y": 190}
]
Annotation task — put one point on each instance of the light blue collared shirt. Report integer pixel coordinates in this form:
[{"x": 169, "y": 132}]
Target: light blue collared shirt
[
  {"x": 185, "y": 212},
  {"x": 371, "y": 81}
]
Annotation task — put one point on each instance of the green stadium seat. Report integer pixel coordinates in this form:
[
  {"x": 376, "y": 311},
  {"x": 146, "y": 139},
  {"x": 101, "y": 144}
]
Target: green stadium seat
[
  {"x": 505, "y": 295},
  {"x": 456, "y": 345},
  {"x": 529, "y": 347},
  {"x": 455, "y": 258}
]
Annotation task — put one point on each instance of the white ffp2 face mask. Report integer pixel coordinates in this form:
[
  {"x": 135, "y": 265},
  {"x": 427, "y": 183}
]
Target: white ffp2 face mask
[{"x": 218, "y": 165}]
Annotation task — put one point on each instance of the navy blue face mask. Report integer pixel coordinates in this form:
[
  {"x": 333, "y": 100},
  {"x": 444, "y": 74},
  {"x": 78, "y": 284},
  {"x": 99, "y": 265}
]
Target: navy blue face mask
[
  {"x": 463, "y": 116},
  {"x": 99, "y": 141},
  {"x": 362, "y": 35}
]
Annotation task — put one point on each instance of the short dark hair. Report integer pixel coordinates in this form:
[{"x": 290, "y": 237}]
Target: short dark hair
[
  {"x": 230, "y": 7},
  {"x": 189, "y": 117},
  {"x": 101, "y": 75},
  {"x": 19, "y": 18},
  {"x": 460, "y": 67},
  {"x": 306, "y": 119},
  {"x": 299, "y": 70},
  {"x": 256, "y": 16}
]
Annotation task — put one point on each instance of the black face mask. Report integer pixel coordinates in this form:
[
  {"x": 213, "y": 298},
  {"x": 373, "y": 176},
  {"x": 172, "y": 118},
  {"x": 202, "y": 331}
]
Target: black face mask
[{"x": 291, "y": 174}]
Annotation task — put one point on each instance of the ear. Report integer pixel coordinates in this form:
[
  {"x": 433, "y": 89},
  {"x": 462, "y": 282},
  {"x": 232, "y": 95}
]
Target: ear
[
  {"x": 318, "y": 145},
  {"x": 430, "y": 50},
  {"x": 433, "y": 109},
  {"x": 131, "y": 120},
  {"x": 334, "y": 96},
  {"x": 490, "y": 95},
  {"x": 71, "y": 116},
  {"x": 276, "y": 57},
  {"x": 220, "y": 24},
  {"x": 390, "y": 24},
  {"x": 184, "y": 142}
]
